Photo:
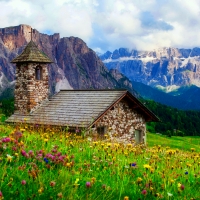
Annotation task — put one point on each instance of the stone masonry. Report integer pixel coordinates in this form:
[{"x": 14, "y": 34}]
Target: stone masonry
[
  {"x": 29, "y": 92},
  {"x": 123, "y": 121}
]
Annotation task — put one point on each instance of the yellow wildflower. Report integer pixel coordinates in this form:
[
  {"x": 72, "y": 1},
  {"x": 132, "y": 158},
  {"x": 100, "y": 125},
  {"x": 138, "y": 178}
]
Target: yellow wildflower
[
  {"x": 95, "y": 143},
  {"x": 109, "y": 144},
  {"x": 126, "y": 198},
  {"x": 68, "y": 164},
  {"x": 147, "y": 166},
  {"x": 114, "y": 158},
  {"x": 125, "y": 153},
  {"x": 139, "y": 180},
  {"x": 152, "y": 170},
  {"x": 41, "y": 190},
  {"x": 172, "y": 181},
  {"x": 76, "y": 182},
  {"x": 189, "y": 165},
  {"x": 155, "y": 156},
  {"x": 116, "y": 144},
  {"x": 93, "y": 179},
  {"x": 192, "y": 149},
  {"x": 129, "y": 145},
  {"x": 9, "y": 158}
]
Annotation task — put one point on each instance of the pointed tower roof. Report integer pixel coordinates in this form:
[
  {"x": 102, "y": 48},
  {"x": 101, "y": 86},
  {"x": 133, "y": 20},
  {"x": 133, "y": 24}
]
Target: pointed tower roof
[{"x": 32, "y": 54}]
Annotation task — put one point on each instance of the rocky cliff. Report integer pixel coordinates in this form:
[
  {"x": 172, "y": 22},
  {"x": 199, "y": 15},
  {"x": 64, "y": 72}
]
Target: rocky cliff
[
  {"x": 164, "y": 68},
  {"x": 75, "y": 65}
]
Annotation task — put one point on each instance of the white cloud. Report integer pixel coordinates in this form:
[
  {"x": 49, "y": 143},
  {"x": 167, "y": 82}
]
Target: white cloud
[{"x": 106, "y": 25}]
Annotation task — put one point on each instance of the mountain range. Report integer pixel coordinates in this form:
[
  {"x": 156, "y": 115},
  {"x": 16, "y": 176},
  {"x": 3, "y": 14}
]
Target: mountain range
[{"x": 167, "y": 75}]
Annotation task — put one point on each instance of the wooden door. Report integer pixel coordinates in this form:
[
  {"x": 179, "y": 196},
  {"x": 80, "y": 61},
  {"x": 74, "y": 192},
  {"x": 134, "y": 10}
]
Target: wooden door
[{"x": 138, "y": 136}]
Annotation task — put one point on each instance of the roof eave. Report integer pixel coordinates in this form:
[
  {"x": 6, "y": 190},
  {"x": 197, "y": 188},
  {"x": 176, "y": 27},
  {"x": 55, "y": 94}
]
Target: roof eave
[
  {"x": 99, "y": 117},
  {"x": 150, "y": 116},
  {"x": 30, "y": 61}
]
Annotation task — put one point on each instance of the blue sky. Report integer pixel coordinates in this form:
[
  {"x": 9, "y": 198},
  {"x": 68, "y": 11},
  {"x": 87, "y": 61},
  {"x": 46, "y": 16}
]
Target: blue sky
[{"x": 111, "y": 24}]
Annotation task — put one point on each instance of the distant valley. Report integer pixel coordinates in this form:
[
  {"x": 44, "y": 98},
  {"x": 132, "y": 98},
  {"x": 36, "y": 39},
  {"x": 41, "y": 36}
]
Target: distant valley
[{"x": 167, "y": 75}]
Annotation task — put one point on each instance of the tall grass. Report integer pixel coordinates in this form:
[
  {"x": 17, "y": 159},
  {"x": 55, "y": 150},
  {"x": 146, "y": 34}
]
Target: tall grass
[{"x": 55, "y": 164}]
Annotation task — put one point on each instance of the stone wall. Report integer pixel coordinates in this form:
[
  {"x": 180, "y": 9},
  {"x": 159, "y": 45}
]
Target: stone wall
[
  {"x": 29, "y": 92},
  {"x": 123, "y": 121}
]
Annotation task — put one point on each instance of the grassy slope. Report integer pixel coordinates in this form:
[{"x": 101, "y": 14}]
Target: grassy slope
[{"x": 183, "y": 143}]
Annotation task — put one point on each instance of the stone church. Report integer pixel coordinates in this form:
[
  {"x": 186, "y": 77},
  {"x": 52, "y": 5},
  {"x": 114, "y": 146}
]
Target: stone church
[{"x": 100, "y": 111}]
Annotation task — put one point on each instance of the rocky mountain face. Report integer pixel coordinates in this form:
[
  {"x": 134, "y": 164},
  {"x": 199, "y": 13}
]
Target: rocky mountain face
[
  {"x": 75, "y": 65},
  {"x": 165, "y": 68}
]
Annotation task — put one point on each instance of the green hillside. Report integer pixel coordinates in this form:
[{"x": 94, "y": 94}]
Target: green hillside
[
  {"x": 182, "y": 143},
  {"x": 173, "y": 121}
]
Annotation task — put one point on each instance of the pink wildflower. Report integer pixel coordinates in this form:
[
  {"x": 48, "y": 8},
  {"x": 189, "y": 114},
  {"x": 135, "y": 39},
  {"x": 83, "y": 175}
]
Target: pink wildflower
[
  {"x": 31, "y": 153},
  {"x": 23, "y": 153},
  {"x": 182, "y": 187},
  {"x": 7, "y": 139},
  {"x": 23, "y": 182},
  {"x": 144, "y": 192},
  {"x": 88, "y": 184}
]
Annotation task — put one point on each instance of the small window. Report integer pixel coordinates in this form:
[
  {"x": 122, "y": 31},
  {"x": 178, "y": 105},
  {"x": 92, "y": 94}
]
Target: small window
[
  {"x": 38, "y": 73},
  {"x": 101, "y": 130}
]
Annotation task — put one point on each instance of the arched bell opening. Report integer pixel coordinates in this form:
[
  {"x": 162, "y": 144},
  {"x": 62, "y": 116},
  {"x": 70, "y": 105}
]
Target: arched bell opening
[{"x": 38, "y": 73}]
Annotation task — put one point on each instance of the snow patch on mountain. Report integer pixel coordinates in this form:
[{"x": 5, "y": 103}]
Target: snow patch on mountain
[
  {"x": 168, "y": 88},
  {"x": 122, "y": 59},
  {"x": 62, "y": 83}
]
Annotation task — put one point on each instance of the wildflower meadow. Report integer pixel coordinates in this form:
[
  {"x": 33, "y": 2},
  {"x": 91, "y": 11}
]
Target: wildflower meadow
[{"x": 52, "y": 163}]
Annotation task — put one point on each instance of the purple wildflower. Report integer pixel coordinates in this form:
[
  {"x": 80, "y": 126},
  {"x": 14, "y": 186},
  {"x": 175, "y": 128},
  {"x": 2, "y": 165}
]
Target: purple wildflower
[
  {"x": 133, "y": 164},
  {"x": 23, "y": 182},
  {"x": 144, "y": 192},
  {"x": 88, "y": 184},
  {"x": 46, "y": 160},
  {"x": 23, "y": 152},
  {"x": 7, "y": 139},
  {"x": 182, "y": 187}
]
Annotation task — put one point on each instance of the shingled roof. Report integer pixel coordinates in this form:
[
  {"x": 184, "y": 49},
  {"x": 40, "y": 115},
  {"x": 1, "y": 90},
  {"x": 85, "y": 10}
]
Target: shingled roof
[
  {"x": 80, "y": 108},
  {"x": 32, "y": 54}
]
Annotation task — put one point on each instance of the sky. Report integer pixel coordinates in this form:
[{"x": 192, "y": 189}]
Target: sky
[{"x": 110, "y": 24}]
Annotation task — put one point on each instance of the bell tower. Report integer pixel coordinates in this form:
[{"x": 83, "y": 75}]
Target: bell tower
[{"x": 31, "y": 87}]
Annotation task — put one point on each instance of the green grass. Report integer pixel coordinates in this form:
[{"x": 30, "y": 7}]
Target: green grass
[
  {"x": 61, "y": 165},
  {"x": 182, "y": 143}
]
